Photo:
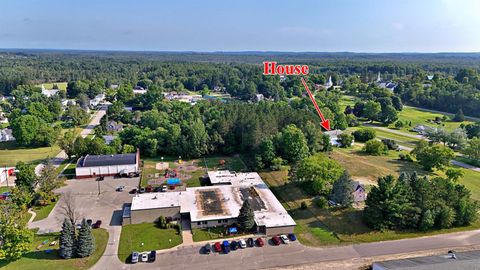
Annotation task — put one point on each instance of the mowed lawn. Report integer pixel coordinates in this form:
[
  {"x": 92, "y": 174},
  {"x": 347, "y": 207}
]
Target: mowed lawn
[
  {"x": 146, "y": 237},
  {"x": 37, "y": 259},
  {"x": 60, "y": 85},
  {"x": 43, "y": 211},
  {"x": 11, "y": 154},
  {"x": 419, "y": 116}
]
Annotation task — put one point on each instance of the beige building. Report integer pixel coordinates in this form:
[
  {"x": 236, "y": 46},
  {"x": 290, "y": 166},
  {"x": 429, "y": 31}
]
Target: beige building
[{"x": 215, "y": 205}]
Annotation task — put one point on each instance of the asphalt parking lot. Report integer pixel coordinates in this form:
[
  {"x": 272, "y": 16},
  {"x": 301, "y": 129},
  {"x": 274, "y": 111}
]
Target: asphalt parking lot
[{"x": 96, "y": 200}]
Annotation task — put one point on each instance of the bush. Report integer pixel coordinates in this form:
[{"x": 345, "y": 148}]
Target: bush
[
  {"x": 391, "y": 144},
  {"x": 364, "y": 134},
  {"x": 277, "y": 164},
  {"x": 321, "y": 202},
  {"x": 345, "y": 140},
  {"x": 303, "y": 205},
  {"x": 374, "y": 147},
  {"x": 399, "y": 124},
  {"x": 405, "y": 157}
]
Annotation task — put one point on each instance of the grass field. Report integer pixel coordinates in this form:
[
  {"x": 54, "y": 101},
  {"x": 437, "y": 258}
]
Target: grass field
[
  {"x": 320, "y": 227},
  {"x": 419, "y": 116},
  {"x": 61, "y": 85},
  {"x": 43, "y": 211},
  {"x": 11, "y": 154},
  {"x": 148, "y": 234},
  {"x": 39, "y": 260}
]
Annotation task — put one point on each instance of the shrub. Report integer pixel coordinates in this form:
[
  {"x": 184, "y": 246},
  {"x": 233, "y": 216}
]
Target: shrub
[
  {"x": 399, "y": 124},
  {"x": 321, "y": 202},
  {"x": 303, "y": 205},
  {"x": 364, "y": 134},
  {"x": 345, "y": 140},
  {"x": 405, "y": 157},
  {"x": 374, "y": 147},
  {"x": 391, "y": 144}
]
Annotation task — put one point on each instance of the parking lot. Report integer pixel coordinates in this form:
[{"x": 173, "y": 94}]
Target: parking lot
[{"x": 96, "y": 200}]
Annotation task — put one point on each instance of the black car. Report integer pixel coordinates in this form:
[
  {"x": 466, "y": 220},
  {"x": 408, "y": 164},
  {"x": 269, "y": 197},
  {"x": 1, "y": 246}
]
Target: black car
[
  {"x": 89, "y": 222},
  {"x": 207, "y": 249},
  {"x": 133, "y": 191},
  {"x": 234, "y": 245},
  {"x": 250, "y": 242},
  {"x": 152, "y": 256},
  {"x": 157, "y": 189}
]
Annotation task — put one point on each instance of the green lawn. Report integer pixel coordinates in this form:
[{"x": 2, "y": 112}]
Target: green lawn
[
  {"x": 152, "y": 237},
  {"x": 69, "y": 171},
  {"x": 61, "y": 85},
  {"x": 471, "y": 180},
  {"x": 39, "y": 260},
  {"x": 418, "y": 116},
  {"x": 11, "y": 154},
  {"x": 5, "y": 189},
  {"x": 43, "y": 211},
  {"x": 211, "y": 234},
  {"x": 320, "y": 227}
]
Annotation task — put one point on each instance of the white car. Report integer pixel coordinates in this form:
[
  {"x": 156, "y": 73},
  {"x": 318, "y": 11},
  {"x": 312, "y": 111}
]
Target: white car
[
  {"x": 284, "y": 239},
  {"x": 242, "y": 243},
  {"x": 144, "y": 257}
]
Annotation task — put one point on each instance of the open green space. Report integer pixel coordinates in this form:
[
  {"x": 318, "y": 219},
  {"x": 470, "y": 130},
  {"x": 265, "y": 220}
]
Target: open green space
[
  {"x": 60, "y": 85},
  {"x": 471, "y": 180},
  {"x": 320, "y": 227},
  {"x": 146, "y": 237},
  {"x": 5, "y": 189},
  {"x": 419, "y": 116},
  {"x": 11, "y": 154},
  {"x": 37, "y": 259},
  {"x": 213, "y": 233},
  {"x": 43, "y": 211}
]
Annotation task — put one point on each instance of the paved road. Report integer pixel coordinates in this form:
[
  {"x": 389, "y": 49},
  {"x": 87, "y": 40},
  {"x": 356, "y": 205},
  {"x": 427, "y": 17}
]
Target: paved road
[
  {"x": 60, "y": 157},
  {"x": 293, "y": 254}
]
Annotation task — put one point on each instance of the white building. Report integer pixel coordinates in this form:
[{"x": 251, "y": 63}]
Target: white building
[
  {"x": 215, "y": 205},
  {"x": 6, "y": 135},
  {"x": 49, "y": 92},
  {"x": 138, "y": 90},
  {"x": 329, "y": 83},
  {"x": 98, "y": 99},
  {"x": 333, "y": 134},
  {"x": 107, "y": 165}
]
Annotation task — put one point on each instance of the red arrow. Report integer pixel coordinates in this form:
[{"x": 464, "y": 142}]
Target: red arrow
[{"x": 325, "y": 122}]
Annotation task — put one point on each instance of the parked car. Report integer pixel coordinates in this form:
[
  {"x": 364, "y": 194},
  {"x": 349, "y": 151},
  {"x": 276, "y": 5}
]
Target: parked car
[
  {"x": 78, "y": 226},
  {"x": 152, "y": 256},
  {"x": 157, "y": 189},
  {"x": 134, "y": 258},
  {"x": 100, "y": 178},
  {"x": 149, "y": 188},
  {"x": 144, "y": 257},
  {"x": 234, "y": 245},
  {"x": 97, "y": 224},
  {"x": 141, "y": 190},
  {"x": 120, "y": 188},
  {"x": 207, "y": 249},
  {"x": 226, "y": 247},
  {"x": 284, "y": 239},
  {"x": 250, "y": 242},
  {"x": 133, "y": 191},
  {"x": 89, "y": 222},
  {"x": 242, "y": 243},
  {"x": 292, "y": 237},
  {"x": 164, "y": 188},
  {"x": 260, "y": 242},
  {"x": 276, "y": 240},
  {"x": 218, "y": 247}
]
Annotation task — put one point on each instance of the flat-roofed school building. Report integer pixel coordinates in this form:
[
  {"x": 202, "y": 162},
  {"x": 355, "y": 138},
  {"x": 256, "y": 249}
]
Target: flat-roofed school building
[
  {"x": 91, "y": 166},
  {"x": 215, "y": 205}
]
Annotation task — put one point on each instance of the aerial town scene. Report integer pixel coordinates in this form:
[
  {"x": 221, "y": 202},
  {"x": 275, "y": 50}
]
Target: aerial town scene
[{"x": 290, "y": 135}]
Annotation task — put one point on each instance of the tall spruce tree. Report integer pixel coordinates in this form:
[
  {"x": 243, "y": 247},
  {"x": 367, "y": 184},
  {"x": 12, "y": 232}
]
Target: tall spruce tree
[
  {"x": 85, "y": 244},
  {"x": 67, "y": 240},
  {"x": 246, "y": 217},
  {"x": 342, "y": 190}
]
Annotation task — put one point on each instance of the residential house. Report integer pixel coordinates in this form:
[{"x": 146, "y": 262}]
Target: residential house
[
  {"x": 6, "y": 135},
  {"x": 3, "y": 117},
  {"x": 98, "y": 99},
  {"x": 49, "y": 92},
  {"x": 109, "y": 139},
  {"x": 114, "y": 126},
  {"x": 258, "y": 97},
  {"x": 359, "y": 193},
  {"x": 138, "y": 90},
  {"x": 333, "y": 134}
]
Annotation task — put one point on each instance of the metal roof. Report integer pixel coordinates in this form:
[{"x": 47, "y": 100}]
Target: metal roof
[{"x": 107, "y": 160}]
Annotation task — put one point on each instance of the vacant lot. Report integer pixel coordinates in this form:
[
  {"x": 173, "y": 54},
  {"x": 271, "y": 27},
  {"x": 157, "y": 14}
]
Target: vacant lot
[
  {"x": 146, "y": 237},
  {"x": 38, "y": 259},
  {"x": 11, "y": 154}
]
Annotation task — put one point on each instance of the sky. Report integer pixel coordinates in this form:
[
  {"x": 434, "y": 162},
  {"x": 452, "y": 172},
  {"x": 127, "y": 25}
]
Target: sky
[{"x": 302, "y": 25}]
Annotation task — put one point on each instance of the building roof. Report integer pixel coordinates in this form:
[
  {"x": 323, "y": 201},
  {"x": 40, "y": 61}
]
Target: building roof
[
  {"x": 223, "y": 201},
  {"x": 156, "y": 200},
  {"x": 107, "y": 160},
  {"x": 464, "y": 260}
]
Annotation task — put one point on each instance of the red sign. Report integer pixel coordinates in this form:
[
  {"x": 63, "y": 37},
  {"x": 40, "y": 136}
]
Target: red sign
[{"x": 271, "y": 68}]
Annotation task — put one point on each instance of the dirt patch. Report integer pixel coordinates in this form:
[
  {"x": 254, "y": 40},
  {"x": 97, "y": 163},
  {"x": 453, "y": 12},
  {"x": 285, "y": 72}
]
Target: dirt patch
[
  {"x": 365, "y": 181},
  {"x": 161, "y": 166}
]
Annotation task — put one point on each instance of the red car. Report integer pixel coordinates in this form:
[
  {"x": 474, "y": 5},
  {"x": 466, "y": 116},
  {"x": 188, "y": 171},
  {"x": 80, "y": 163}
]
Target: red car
[
  {"x": 260, "y": 242},
  {"x": 276, "y": 240},
  {"x": 218, "y": 247}
]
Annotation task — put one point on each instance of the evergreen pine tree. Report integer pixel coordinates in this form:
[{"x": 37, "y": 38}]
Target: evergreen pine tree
[
  {"x": 342, "y": 190},
  {"x": 459, "y": 117},
  {"x": 246, "y": 217},
  {"x": 67, "y": 240},
  {"x": 85, "y": 244}
]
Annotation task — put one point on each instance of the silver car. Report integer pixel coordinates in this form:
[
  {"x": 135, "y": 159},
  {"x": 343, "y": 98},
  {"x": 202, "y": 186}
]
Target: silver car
[
  {"x": 134, "y": 257},
  {"x": 144, "y": 257}
]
